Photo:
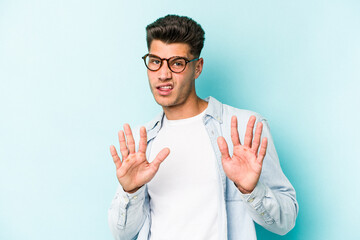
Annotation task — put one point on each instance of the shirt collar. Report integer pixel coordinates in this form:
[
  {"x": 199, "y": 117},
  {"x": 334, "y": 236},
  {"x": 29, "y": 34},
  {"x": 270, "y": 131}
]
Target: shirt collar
[{"x": 213, "y": 110}]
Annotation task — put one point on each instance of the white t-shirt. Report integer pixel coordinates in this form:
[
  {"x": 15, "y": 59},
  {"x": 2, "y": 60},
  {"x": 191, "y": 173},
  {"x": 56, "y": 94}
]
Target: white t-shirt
[{"x": 184, "y": 194}]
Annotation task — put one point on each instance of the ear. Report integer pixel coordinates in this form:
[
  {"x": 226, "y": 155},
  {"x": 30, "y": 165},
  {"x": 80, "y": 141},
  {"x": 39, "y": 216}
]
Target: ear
[{"x": 198, "y": 67}]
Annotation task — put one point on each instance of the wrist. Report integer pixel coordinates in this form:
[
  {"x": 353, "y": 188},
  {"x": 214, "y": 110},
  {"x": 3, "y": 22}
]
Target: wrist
[
  {"x": 243, "y": 190},
  {"x": 132, "y": 190}
]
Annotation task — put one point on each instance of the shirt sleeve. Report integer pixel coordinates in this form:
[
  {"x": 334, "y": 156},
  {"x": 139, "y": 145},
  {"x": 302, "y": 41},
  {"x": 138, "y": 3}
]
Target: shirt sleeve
[
  {"x": 126, "y": 214},
  {"x": 272, "y": 204}
]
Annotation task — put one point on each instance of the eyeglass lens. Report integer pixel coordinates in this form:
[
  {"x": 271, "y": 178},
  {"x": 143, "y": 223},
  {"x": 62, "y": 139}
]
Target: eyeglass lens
[{"x": 176, "y": 64}]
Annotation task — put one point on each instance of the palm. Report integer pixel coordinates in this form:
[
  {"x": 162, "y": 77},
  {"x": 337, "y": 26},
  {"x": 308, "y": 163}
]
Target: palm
[
  {"x": 135, "y": 171},
  {"x": 244, "y": 167}
]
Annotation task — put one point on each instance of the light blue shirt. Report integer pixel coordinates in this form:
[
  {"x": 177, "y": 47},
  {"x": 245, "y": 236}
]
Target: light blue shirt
[{"x": 272, "y": 204}]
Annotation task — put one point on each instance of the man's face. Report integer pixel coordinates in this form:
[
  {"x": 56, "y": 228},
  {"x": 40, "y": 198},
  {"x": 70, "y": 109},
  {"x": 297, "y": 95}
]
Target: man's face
[{"x": 173, "y": 89}]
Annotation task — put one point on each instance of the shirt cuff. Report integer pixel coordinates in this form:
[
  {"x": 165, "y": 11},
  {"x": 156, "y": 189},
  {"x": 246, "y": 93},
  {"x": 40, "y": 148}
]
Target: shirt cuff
[
  {"x": 131, "y": 198},
  {"x": 255, "y": 201},
  {"x": 126, "y": 200},
  {"x": 256, "y": 196}
]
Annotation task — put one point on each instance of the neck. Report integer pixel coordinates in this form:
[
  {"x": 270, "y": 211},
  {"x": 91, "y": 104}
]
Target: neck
[{"x": 186, "y": 110}]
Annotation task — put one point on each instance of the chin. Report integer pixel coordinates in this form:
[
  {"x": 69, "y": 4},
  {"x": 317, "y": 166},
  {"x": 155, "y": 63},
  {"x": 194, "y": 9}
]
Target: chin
[{"x": 164, "y": 103}]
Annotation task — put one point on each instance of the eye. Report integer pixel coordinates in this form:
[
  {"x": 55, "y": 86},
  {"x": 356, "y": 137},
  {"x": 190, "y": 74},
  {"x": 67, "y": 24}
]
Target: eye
[
  {"x": 178, "y": 63},
  {"x": 154, "y": 61}
]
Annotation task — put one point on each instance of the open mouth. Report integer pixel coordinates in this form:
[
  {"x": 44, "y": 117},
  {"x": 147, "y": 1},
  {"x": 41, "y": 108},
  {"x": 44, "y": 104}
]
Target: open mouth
[{"x": 164, "y": 90}]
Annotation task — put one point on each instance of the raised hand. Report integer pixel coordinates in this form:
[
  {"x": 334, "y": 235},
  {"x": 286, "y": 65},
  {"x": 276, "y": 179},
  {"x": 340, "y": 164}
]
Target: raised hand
[
  {"x": 244, "y": 167},
  {"x": 134, "y": 170}
]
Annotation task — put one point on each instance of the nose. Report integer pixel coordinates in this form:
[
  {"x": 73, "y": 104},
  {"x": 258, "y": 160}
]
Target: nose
[{"x": 164, "y": 72}]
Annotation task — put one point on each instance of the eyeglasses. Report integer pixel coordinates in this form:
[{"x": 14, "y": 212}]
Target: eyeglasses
[{"x": 176, "y": 64}]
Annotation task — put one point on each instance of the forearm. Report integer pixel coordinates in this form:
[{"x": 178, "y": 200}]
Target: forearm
[
  {"x": 272, "y": 203},
  {"x": 276, "y": 210},
  {"x": 126, "y": 214}
]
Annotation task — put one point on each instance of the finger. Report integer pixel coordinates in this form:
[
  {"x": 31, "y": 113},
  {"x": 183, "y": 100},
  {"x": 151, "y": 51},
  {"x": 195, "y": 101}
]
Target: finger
[
  {"x": 234, "y": 131},
  {"x": 115, "y": 157},
  {"x": 249, "y": 131},
  {"x": 143, "y": 140},
  {"x": 160, "y": 158},
  {"x": 262, "y": 151},
  {"x": 123, "y": 148},
  {"x": 129, "y": 138},
  {"x": 223, "y": 147},
  {"x": 256, "y": 141}
]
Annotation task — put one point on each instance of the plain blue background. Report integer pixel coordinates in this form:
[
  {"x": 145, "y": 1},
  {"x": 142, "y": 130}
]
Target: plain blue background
[{"x": 71, "y": 75}]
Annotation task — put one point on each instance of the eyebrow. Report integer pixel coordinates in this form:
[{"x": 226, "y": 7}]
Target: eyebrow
[{"x": 153, "y": 55}]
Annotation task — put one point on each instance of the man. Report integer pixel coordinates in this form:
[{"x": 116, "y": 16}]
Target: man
[{"x": 212, "y": 183}]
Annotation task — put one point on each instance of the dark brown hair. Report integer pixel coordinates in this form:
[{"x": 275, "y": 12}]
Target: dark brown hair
[{"x": 177, "y": 29}]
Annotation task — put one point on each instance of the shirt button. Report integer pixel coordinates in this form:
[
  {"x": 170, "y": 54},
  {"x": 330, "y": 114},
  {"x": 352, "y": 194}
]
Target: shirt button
[
  {"x": 262, "y": 214},
  {"x": 251, "y": 200},
  {"x": 135, "y": 197}
]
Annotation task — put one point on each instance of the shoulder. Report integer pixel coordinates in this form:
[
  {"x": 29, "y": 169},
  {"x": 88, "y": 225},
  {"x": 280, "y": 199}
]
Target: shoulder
[
  {"x": 154, "y": 122},
  {"x": 242, "y": 115},
  {"x": 151, "y": 127},
  {"x": 225, "y": 112}
]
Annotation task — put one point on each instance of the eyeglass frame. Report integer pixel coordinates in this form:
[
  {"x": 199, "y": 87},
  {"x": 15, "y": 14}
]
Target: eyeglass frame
[{"x": 167, "y": 60}]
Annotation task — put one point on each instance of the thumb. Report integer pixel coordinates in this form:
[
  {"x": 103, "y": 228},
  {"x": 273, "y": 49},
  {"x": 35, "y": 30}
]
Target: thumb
[{"x": 160, "y": 158}]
